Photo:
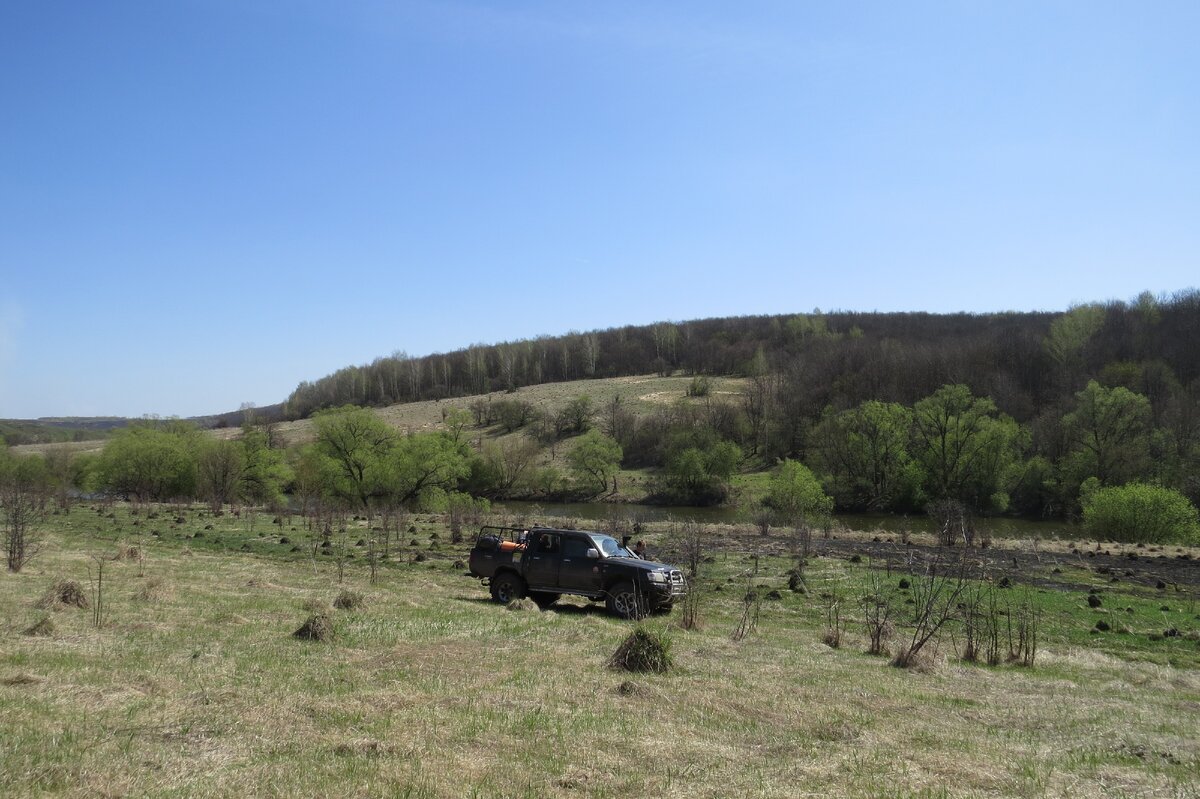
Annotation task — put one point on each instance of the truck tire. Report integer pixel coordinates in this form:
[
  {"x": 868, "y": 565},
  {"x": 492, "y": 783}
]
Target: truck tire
[
  {"x": 544, "y": 599},
  {"x": 625, "y": 601},
  {"x": 507, "y": 587}
]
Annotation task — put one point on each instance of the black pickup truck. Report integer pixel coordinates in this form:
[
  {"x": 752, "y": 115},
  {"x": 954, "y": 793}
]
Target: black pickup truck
[{"x": 544, "y": 563}]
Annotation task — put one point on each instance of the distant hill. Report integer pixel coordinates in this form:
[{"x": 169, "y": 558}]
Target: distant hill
[
  {"x": 16, "y": 432},
  {"x": 61, "y": 429}
]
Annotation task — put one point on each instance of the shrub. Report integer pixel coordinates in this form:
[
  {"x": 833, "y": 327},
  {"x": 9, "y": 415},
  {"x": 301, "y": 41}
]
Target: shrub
[
  {"x": 795, "y": 493},
  {"x": 1141, "y": 512},
  {"x": 643, "y": 650},
  {"x": 349, "y": 600}
]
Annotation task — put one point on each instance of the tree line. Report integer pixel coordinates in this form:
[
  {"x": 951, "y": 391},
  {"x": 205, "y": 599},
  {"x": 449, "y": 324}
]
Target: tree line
[{"x": 1026, "y": 362}]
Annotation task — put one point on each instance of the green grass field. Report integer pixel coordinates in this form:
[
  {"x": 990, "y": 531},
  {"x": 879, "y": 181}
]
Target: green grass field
[{"x": 193, "y": 685}]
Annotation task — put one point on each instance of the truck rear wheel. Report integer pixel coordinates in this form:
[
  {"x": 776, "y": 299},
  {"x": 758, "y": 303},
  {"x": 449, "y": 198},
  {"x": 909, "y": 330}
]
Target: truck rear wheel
[
  {"x": 625, "y": 601},
  {"x": 507, "y": 587}
]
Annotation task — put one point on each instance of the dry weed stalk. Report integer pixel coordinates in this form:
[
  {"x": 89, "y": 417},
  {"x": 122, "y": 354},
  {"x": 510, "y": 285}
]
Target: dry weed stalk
[
  {"x": 878, "y": 606},
  {"x": 833, "y": 620},
  {"x": 748, "y": 621},
  {"x": 689, "y": 609}
]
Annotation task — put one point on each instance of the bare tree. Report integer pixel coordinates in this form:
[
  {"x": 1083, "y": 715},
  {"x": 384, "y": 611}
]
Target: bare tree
[
  {"x": 953, "y": 520},
  {"x": 689, "y": 537},
  {"x": 935, "y": 602},
  {"x": 24, "y": 493}
]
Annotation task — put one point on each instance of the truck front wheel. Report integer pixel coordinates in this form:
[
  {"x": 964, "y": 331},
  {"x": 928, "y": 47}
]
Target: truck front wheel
[
  {"x": 507, "y": 587},
  {"x": 625, "y": 601}
]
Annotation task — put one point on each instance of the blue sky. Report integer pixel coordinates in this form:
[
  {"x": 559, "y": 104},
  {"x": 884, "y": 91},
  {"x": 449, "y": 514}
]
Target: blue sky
[{"x": 203, "y": 202}]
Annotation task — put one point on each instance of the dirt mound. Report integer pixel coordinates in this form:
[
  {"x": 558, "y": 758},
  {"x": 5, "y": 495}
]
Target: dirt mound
[
  {"x": 64, "y": 593},
  {"x": 128, "y": 553},
  {"x": 318, "y": 627}
]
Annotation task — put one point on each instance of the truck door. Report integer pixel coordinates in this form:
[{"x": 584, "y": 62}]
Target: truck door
[
  {"x": 542, "y": 560},
  {"x": 578, "y": 572}
]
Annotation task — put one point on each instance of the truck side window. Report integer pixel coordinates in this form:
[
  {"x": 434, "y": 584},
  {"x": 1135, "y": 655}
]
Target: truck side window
[
  {"x": 547, "y": 543},
  {"x": 576, "y": 547}
]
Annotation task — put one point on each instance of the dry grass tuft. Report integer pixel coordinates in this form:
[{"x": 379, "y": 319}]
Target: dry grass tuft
[
  {"x": 128, "y": 553},
  {"x": 631, "y": 688},
  {"x": 64, "y": 593},
  {"x": 317, "y": 607},
  {"x": 318, "y": 627},
  {"x": 524, "y": 603},
  {"x": 350, "y": 600},
  {"x": 40, "y": 629},
  {"x": 921, "y": 660},
  {"x": 836, "y": 732},
  {"x": 154, "y": 590},
  {"x": 643, "y": 651}
]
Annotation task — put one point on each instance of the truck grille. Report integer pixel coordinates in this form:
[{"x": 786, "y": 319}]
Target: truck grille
[{"x": 678, "y": 584}]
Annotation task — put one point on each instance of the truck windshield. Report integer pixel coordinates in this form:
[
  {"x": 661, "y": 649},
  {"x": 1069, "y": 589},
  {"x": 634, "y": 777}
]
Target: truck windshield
[{"x": 611, "y": 547}]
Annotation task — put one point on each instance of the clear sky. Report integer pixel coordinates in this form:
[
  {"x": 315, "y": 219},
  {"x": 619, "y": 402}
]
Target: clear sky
[{"x": 204, "y": 202}]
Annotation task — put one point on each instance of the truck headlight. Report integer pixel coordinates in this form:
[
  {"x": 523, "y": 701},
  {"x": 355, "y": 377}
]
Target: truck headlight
[{"x": 656, "y": 577}]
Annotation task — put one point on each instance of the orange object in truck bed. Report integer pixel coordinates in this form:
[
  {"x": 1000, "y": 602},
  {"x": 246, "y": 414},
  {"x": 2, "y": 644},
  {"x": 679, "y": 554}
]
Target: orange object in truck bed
[{"x": 511, "y": 546}]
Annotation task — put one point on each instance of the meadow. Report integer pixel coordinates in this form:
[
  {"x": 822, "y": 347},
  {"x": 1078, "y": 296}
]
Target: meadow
[{"x": 190, "y": 683}]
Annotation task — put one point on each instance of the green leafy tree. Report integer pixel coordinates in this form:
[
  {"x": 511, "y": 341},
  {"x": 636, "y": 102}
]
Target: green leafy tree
[
  {"x": 1070, "y": 332},
  {"x": 967, "y": 451},
  {"x": 264, "y": 472},
  {"x": 1110, "y": 435},
  {"x": 151, "y": 462},
  {"x": 863, "y": 454},
  {"x": 700, "y": 473},
  {"x": 506, "y": 466},
  {"x": 219, "y": 472},
  {"x": 1141, "y": 512},
  {"x": 595, "y": 461},
  {"x": 425, "y": 462},
  {"x": 456, "y": 421},
  {"x": 575, "y": 416},
  {"x": 795, "y": 494},
  {"x": 355, "y": 445}
]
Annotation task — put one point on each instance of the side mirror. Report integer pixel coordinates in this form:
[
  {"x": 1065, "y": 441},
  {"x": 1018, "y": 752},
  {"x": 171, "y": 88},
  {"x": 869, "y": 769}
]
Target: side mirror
[{"x": 593, "y": 553}]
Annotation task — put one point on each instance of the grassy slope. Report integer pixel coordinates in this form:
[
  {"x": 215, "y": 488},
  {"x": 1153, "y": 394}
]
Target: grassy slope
[
  {"x": 430, "y": 691},
  {"x": 644, "y": 394}
]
